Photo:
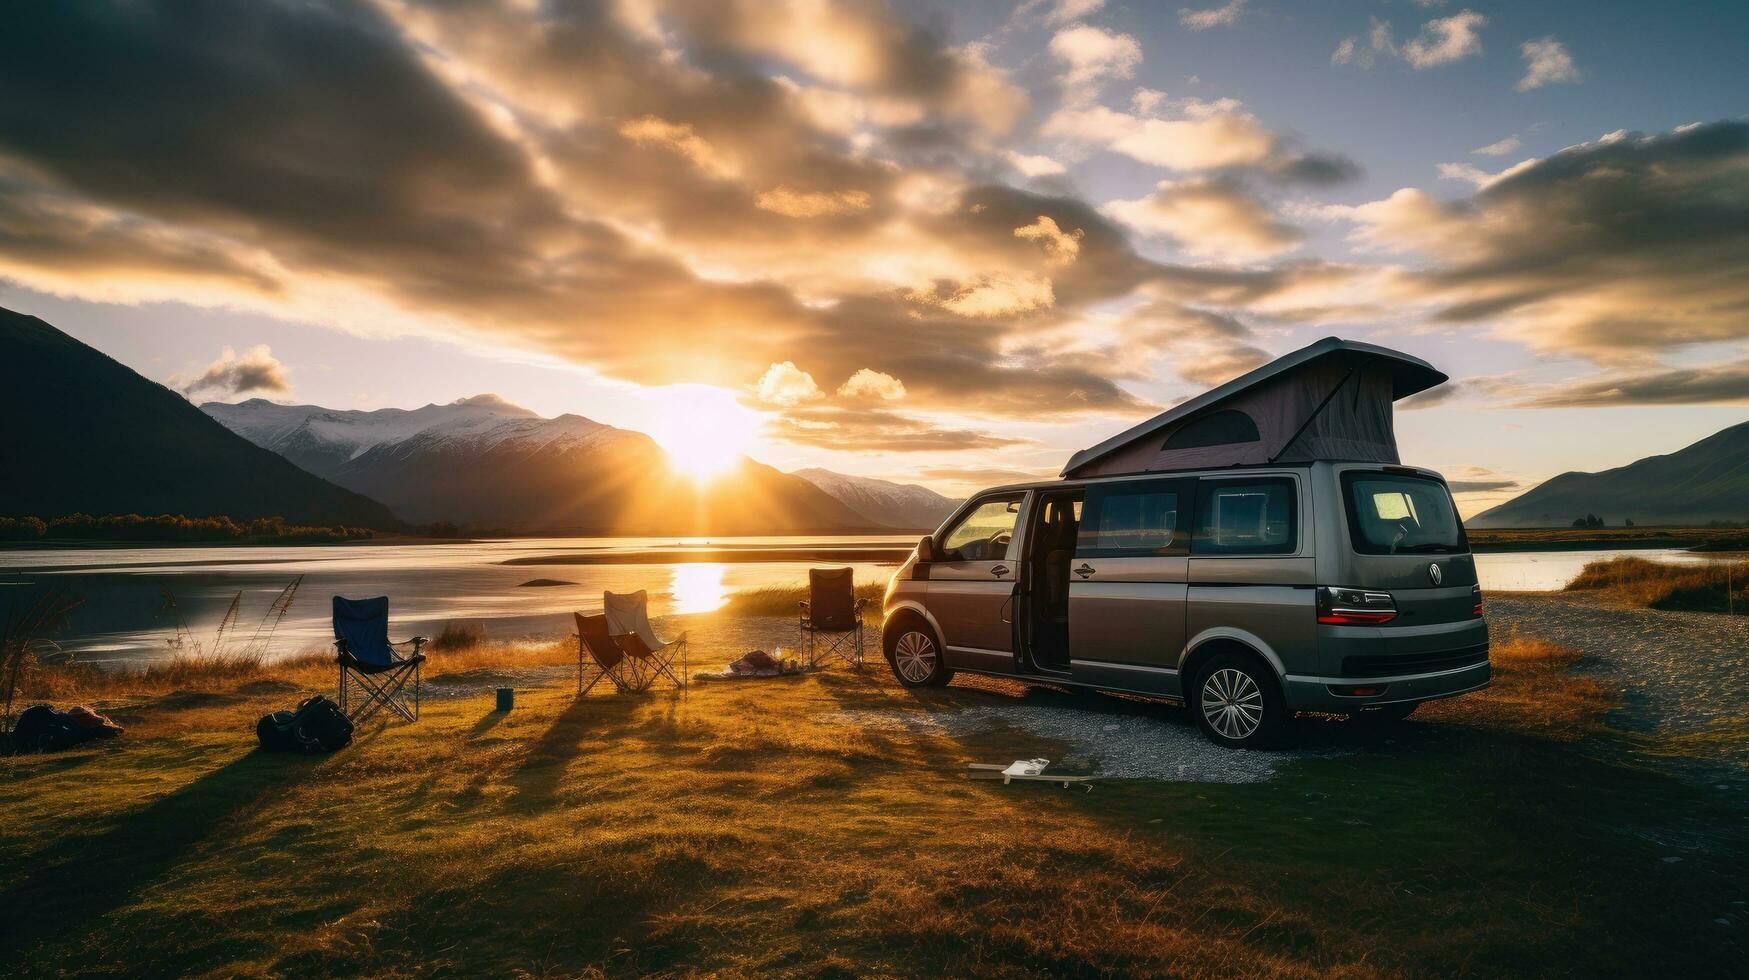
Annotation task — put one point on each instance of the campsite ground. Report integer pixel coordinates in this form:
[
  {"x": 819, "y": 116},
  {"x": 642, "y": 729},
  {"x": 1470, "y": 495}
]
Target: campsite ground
[{"x": 825, "y": 825}]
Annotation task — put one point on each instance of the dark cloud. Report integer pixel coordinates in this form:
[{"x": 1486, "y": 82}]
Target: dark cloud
[
  {"x": 984, "y": 476},
  {"x": 1718, "y": 384},
  {"x": 61, "y": 237},
  {"x": 1613, "y": 249},
  {"x": 1481, "y": 486},
  {"x": 1213, "y": 216},
  {"x": 1320, "y": 169},
  {"x": 1205, "y": 347},
  {"x": 874, "y": 430},
  {"x": 662, "y": 206},
  {"x": 1432, "y": 396}
]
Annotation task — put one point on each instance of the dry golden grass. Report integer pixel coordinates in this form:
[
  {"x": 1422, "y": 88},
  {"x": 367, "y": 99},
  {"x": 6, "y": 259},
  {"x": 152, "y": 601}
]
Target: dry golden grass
[
  {"x": 311, "y": 670},
  {"x": 1534, "y": 691},
  {"x": 458, "y": 636},
  {"x": 748, "y": 829},
  {"x": 1700, "y": 587},
  {"x": 781, "y": 600}
]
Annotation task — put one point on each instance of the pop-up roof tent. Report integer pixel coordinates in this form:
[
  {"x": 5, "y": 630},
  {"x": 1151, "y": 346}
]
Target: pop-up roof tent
[{"x": 1331, "y": 401}]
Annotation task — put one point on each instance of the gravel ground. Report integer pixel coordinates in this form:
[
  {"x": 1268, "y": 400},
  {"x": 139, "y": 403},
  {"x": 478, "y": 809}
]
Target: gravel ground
[
  {"x": 1679, "y": 673},
  {"x": 1121, "y": 746}
]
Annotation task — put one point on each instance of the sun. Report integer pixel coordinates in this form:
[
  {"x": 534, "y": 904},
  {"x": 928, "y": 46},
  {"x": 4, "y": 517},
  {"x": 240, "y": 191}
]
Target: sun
[{"x": 704, "y": 430}]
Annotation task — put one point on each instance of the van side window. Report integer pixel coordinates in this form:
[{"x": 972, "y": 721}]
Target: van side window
[
  {"x": 1133, "y": 520},
  {"x": 1246, "y": 517},
  {"x": 983, "y": 534}
]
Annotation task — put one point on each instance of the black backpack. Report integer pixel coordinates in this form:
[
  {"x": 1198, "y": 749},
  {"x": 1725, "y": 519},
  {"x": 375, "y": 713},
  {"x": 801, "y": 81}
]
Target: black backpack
[{"x": 318, "y": 725}]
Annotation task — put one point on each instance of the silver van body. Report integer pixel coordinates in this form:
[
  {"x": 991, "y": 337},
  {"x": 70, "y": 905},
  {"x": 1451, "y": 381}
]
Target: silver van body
[{"x": 1257, "y": 563}]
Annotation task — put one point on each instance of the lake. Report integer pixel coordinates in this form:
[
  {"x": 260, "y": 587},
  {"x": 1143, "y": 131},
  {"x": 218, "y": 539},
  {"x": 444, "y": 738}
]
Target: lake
[{"x": 127, "y": 614}]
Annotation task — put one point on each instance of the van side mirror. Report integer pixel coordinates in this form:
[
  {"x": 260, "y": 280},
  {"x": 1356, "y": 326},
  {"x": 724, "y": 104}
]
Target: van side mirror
[{"x": 926, "y": 549}]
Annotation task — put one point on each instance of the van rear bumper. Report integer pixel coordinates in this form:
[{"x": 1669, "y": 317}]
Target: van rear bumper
[{"x": 1305, "y": 693}]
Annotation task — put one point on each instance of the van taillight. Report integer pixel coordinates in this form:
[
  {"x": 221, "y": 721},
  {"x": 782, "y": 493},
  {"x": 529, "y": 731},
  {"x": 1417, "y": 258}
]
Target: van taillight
[
  {"x": 1476, "y": 594},
  {"x": 1355, "y": 607}
]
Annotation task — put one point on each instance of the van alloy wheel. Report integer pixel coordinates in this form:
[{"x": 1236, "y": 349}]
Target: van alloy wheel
[
  {"x": 914, "y": 656},
  {"x": 1232, "y": 703}
]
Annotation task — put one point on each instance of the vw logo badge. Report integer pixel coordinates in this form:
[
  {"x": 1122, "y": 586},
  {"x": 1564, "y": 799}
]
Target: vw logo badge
[{"x": 1434, "y": 573}]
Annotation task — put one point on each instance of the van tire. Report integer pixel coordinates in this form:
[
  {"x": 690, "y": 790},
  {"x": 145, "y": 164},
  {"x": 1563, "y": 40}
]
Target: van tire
[
  {"x": 1255, "y": 714},
  {"x": 909, "y": 639}
]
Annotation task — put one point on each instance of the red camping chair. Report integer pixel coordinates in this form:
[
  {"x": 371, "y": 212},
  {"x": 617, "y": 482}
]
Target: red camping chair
[{"x": 598, "y": 656}]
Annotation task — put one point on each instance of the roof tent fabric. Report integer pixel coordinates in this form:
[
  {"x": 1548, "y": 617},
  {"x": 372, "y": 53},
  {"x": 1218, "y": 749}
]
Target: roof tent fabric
[{"x": 1331, "y": 400}]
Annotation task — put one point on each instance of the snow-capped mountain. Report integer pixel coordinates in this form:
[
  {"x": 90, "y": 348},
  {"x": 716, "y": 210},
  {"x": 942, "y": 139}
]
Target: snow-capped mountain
[
  {"x": 899, "y": 505},
  {"x": 485, "y": 462},
  {"x": 317, "y": 438}
]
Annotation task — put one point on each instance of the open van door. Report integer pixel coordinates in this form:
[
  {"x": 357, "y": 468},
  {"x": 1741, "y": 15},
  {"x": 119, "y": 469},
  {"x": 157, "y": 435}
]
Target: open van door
[{"x": 972, "y": 582}]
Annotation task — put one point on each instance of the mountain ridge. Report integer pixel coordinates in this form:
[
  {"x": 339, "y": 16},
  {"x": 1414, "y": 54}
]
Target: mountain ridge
[
  {"x": 84, "y": 433},
  {"x": 1703, "y": 482},
  {"x": 483, "y": 461},
  {"x": 903, "y": 506}
]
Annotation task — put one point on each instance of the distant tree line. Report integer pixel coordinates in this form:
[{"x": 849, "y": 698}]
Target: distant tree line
[
  {"x": 171, "y": 527},
  {"x": 1592, "y": 520}
]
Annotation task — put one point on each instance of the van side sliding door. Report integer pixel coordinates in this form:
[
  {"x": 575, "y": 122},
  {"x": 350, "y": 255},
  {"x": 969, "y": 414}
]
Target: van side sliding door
[
  {"x": 1127, "y": 584},
  {"x": 1252, "y": 567}
]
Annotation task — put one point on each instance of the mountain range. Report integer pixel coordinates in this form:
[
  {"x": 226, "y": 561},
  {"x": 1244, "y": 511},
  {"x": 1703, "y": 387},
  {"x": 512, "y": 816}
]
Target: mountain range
[
  {"x": 1707, "y": 481},
  {"x": 484, "y": 462},
  {"x": 897, "y": 505},
  {"x": 83, "y": 433}
]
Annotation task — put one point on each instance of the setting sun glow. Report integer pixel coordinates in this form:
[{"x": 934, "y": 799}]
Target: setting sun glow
[{"x": 704, "y": 430}]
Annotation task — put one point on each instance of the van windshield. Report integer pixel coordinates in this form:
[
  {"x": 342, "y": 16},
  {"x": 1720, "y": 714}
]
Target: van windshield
[{"x": 1394, "y": 514}]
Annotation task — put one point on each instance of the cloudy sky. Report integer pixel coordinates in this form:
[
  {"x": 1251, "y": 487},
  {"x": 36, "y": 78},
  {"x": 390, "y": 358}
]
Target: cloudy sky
[{"x": 948, "y": 243}]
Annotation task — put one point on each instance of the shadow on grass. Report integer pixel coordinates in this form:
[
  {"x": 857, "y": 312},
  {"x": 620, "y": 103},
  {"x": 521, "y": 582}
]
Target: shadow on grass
[
  {"x": 78, "y": 880},
  {"x": 1535, "y": 856},
  {"x": 585, "y": 720}
]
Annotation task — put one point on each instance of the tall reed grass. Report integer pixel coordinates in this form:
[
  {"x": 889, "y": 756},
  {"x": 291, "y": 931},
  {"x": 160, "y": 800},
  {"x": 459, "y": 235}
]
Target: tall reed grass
[{"x": 1700, "y": 587}]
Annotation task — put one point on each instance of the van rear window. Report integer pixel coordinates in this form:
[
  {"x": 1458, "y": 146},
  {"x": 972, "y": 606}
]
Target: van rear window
[{"x": 1392, "y": 514}]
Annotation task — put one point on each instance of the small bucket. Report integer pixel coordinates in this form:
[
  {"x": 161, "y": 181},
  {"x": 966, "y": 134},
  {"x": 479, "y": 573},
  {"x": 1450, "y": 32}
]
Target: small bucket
[{"x": 506, "y": 698}]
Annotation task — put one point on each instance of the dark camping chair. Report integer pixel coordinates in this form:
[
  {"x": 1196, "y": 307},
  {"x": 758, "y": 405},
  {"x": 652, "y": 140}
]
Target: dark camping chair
[
  {"x": 368, "y": 660},
  {"x": 831, "y": 617},
  {"x": 598, "y": 656},
  {"x": 628, "y": 619}
]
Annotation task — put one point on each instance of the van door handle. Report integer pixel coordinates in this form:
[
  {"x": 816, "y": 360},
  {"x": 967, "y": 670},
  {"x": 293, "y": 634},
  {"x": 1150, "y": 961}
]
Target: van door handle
[
  {"x": 1085, "y": 570},
  {"x": 999, "y": 571}
]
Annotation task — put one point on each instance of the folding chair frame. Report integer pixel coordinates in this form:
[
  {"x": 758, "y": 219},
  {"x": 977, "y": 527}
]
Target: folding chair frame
[
  {"x": 587, "y": 665},
  {"x": 847, "y": 645},
  {"x": 657, "y": 664},
  {"x": 385, "y": 688}
]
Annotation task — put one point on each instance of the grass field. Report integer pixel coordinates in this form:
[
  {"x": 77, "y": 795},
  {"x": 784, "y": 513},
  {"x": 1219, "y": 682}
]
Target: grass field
[
  {"x": 1712, "y": 587},
  {"x": 746, "y": 829}
]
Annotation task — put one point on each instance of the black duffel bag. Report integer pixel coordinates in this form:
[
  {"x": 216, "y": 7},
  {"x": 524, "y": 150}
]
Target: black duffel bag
[{"x": 318, "y": 725}]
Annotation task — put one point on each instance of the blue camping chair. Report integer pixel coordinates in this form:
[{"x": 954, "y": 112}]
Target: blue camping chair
[{"x": 369, "y": 663}]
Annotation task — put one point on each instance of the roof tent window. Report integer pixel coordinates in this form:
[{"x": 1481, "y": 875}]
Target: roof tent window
[{"x": 1215, "y": 429}]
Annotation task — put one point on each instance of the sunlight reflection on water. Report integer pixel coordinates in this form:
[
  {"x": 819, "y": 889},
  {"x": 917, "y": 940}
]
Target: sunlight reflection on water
[{"x": 698, "y": 588}]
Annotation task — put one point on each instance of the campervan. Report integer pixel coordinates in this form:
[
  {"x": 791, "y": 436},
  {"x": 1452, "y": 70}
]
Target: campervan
[{"x": 1257, "y": 551}]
